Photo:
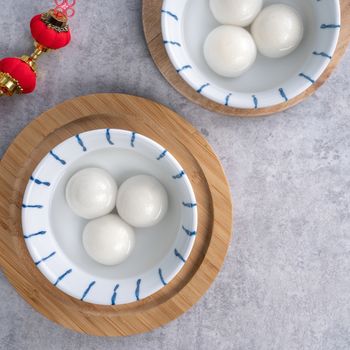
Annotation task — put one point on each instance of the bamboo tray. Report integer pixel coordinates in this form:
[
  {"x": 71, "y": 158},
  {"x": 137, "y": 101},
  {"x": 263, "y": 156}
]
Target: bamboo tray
[
  {"x": 203, "y": 169},
  {"x": 151, "y": 17}
]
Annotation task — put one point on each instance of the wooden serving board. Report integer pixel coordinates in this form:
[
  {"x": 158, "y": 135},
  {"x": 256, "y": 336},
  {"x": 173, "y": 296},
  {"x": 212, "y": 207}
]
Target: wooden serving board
[
  {"x": 202, "y": 167},
  {"x": 151, "y": 17}
]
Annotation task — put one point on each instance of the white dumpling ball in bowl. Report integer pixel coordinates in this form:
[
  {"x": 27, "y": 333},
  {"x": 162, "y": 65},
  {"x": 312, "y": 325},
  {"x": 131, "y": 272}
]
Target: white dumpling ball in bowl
[
  {"x": 235, "y": 12},
  {"x": 91, "y": 193},
  {"x": 108, "y": 240},
  {"x": 229, "y": 51},
  {"x": 142, "y": 201},
  {"x": 278, "y": 30}
]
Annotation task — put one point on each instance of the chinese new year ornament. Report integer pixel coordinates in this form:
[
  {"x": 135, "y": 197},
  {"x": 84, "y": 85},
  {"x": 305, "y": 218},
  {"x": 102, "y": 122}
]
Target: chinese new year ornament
[{"x": 50, "y": 31}]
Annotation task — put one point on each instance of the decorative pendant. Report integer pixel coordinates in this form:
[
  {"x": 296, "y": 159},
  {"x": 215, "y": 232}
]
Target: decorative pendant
[{"x": 50, "y": 31}]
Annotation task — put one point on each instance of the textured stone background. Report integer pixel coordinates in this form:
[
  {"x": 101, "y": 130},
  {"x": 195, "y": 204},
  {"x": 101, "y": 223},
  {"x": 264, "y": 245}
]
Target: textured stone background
[{"x": 286, "y": 280}]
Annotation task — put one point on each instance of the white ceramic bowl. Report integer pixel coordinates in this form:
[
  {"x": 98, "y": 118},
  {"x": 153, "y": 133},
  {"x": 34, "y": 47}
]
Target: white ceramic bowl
[
  {"x": 186, "y": 24},
  {"x": 53, "y": 233}
]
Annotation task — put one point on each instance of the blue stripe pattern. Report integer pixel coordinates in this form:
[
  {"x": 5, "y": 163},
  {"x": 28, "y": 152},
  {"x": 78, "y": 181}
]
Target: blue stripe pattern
[
  {"x": 188, "y": 232},
  {"x": 176, "y": 43},
  {"x": 39, "y": 182},
  {"x": 330, "y": 26},
  {"x": 87, "y": 290},
  {"x": 189, "y": 205},
  {"x": 133, "y": 137},
  {"x": 307, "y": 78},
  {"x": 179, "y": 175},
  {"x": 108, "y": 137},
  {"x": 114, "y": 296},
  {"x": 162, "y": 155},
  {"x": 202, "y": 88},
  {"x": 170, "y": 14},
  {"x": 227, "y": 99},
  {"x": 255, "y": 101},
  {"x": 62, "y": 276},
  {"x": 137, "y": 290},
  {"x": 323, "y": 54},
  {"x": 36, "y": 206},
  {"x": 187, "y": 66},
  {"x": 63, "y": 162},
  {"x": 177, "y": 254},
  {"x": 43, "y": 259},
  {"x": 283, "y": 94},
  {"x": 161, "y": 276},
  {"x": 80, "y": 142},
  {"x": 34, "y": 234}
]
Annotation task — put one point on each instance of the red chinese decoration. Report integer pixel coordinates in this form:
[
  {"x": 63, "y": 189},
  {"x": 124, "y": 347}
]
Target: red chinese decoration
[
  {"x": 50, "y": 31},
  {"x": 65, "y": 7},
  {"x": 16, "y": 76}
]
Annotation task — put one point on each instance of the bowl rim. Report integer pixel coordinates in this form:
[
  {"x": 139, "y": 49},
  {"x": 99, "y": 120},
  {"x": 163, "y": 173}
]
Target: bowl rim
[
  {"x": 128, "y": 289},
  {"x": 171, "y": 28}
]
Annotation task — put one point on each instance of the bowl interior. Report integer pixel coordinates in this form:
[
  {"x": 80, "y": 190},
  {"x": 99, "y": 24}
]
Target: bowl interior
[
  {"x": 186, "y": 24},
  {"x": 151, "y": 245},
  {"x": 53, "y": 233},
  {"x": 266, "y": 73}
]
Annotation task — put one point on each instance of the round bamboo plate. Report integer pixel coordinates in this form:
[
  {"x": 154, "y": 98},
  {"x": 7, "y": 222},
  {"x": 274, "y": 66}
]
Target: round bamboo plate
[
  {"x": 151, "y": 17},
  {"x": 201, "y": 165}
]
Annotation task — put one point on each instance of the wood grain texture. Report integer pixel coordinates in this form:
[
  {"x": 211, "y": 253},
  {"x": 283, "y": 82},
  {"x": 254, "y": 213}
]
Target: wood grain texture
[
  {"x": 202, "y": 167},
  {"x": 151, "y": 17}
]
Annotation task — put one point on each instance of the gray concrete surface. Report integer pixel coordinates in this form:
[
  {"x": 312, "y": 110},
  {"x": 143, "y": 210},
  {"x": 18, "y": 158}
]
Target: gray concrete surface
[{"x": 286, "y": 280}]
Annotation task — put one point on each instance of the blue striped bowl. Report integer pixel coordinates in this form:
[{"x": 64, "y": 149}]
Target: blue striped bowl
[
  {"x": 186, "y": 23},
  {"x": 53, "y": 233}
]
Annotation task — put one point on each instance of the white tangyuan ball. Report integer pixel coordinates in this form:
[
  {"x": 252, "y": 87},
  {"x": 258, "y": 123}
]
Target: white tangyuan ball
[
  {"x": 108, "y": 240},
  {"x": 278, "y": 30},
  {"x": 91, "y": 193},
  {"x": 229, "y": 51},
  {"x": 235, "y": 12},
  {"x": 142, "y": 201}
]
